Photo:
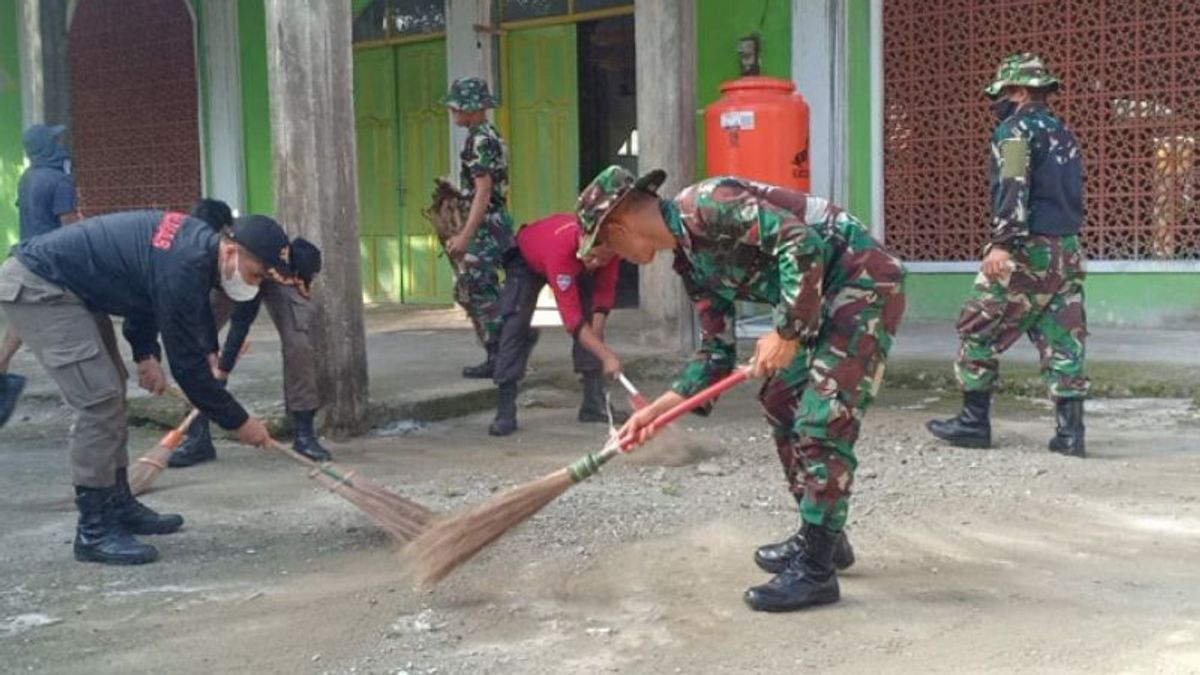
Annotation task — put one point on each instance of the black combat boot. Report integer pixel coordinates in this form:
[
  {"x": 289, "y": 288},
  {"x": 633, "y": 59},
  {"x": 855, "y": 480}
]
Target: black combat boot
[
  {"x": 594, "y": 407},
  {"x": 483, "y": 371},
  {"x": 305, "y": 438},
  {"x": 972, "y": 428},
  {"x": 100, "y": 537},
  {"x": 809, "y": 579},
  {"x": 774, "y": 558},
  {"x": 135, "y": 516},
  {"x": 196, "y": 448},
  {"x": 506, "y": 411},
  {"x": 1068, "y": 439},
  {"x": 10, "y": 392}
]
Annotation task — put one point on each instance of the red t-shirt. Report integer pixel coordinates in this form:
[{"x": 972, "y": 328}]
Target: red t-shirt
[{"x": 548, "y": 246}]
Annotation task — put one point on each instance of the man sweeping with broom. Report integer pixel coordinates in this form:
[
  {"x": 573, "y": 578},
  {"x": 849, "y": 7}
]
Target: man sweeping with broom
[
  {"x": 156, "y": 270},
  {"x": 838, "y": 300}
]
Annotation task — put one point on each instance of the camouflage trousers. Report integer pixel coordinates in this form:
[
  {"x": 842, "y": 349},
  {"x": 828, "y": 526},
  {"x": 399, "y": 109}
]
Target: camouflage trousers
[
  {"x": 815, "y": 406},
  {"x": 477, "y": 287},
  {"x": 1042, "y": 298}
]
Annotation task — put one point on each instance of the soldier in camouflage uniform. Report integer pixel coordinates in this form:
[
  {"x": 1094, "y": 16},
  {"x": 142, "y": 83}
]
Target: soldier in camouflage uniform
[
  {"x": 1032, "y": 275},
  {"x": 487, "y": 232},
  {"x": 838, "y": 299}
]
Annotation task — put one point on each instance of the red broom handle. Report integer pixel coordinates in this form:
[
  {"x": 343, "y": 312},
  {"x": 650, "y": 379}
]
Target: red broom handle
[{"x": 701, "y": 397}]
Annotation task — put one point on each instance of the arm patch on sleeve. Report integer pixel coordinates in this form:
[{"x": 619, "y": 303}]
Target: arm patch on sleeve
[{"x": 1014, "y": 158}]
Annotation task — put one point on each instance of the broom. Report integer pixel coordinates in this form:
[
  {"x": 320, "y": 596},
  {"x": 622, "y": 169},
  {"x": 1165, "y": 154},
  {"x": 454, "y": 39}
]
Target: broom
[
  {"x": 456, "y": 539},
  {"x": 147, "y": 467},
  {"x": 402, "y": 518}
]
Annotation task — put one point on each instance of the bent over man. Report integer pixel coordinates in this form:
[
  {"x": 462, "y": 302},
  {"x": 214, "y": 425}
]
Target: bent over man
[
  {"x": 838, "y": 300},
  {"x": 584, "y": 291},
  {"x": 155, "y": 270}
]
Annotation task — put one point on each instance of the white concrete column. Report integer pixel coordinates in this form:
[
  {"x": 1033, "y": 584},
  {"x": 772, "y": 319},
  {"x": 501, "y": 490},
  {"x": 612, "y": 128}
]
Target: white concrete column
[
  {"x": 819, "y": 71},
  {"x": 469, "y": 52},
  {"x": 226, "y": 171},
  {"x": 666, "y": 114},
  {"x": 310, "y": 75},
  {"x": 29, "y": 41}
]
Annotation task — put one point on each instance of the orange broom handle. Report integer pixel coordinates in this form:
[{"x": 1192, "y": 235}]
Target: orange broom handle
[{"x": 172, "y": 438}]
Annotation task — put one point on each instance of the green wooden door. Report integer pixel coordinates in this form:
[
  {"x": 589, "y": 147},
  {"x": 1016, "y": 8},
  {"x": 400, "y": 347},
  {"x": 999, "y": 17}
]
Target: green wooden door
[
  {"x": 403, "y": 144},
  {"x": 378, "y": 173},
  {"x": 543, "y": 109},
  {"x": 424, "y": 154}
]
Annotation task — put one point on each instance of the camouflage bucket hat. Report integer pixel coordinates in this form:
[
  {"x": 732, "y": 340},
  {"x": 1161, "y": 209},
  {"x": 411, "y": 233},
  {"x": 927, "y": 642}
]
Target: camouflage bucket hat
[
  {"x": 606, "y": 191},
  {"x": 469, "y": 94},
  {"x": 1021, "y": 70}
]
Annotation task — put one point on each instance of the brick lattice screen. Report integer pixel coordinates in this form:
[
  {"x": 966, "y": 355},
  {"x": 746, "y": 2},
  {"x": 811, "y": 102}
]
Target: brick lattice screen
[
  {"x": 135, "y": 133},
  {"x": 1131, "y": 73}
]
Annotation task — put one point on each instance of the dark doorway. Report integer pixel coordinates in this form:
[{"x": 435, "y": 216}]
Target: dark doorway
[{"x": 608, "y": 113}]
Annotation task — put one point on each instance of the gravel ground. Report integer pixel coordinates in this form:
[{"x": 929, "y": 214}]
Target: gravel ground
[{"x": 1009, "y": 560}]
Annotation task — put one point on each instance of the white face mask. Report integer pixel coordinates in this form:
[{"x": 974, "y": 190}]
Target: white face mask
[{"x": 235, "y": 286}]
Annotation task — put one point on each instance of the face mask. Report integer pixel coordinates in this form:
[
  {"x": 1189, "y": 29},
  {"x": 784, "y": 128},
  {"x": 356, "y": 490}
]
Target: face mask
[
  {"x": 1003, "y": 108},
  {"x": 235, "y": 286}
]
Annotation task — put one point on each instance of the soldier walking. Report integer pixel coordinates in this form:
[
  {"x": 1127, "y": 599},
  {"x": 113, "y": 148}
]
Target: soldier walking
[
  {"x": 487, "y": 232},
  {"x": 1032, "y": 274},
  {"x": 838, "y": 300}
]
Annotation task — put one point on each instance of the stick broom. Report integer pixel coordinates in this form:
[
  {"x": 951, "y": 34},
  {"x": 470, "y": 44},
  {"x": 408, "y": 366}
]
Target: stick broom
[
  {"x": 147, "y": 467},
  {"x": 454, "y": 540}
]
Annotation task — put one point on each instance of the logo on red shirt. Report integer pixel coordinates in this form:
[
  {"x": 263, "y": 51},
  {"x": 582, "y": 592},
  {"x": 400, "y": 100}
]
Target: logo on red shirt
[
  {"x": 167, "y": 228},
  {"x": 563, "y": 281}
]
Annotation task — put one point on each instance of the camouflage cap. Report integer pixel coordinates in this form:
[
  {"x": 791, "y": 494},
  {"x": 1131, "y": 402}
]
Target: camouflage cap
[
  {"x": 607, "y": 190},
  {"x": 469, "y": 94},
  {"x": 1022, "y": 69}
]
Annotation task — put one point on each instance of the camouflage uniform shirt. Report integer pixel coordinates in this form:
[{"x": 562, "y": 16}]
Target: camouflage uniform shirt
[
  {"x": 485, "y": 154},
  {"x": 1036, "y": 177},
  {"x": 750, "y": 241}
]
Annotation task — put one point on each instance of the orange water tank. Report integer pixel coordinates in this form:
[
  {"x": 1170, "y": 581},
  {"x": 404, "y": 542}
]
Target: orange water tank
[{"x": 759, "y": 129}]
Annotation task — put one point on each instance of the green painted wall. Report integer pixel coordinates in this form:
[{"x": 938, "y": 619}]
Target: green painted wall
[
  {"x": 719, "y": 24},
  {"x": 1126, "y": 299},
  {"x": 256, "y": 107},
  {"x": 858, "y": 108},
  {"x": 12, "y": 157}
]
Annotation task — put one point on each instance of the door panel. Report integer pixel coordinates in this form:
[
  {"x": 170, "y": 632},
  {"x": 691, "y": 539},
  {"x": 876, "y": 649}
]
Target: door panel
[
  {"x": 378, "y": 155},
  {"x": 424, "y": 130},
  {"x": 543, "y": 113}
]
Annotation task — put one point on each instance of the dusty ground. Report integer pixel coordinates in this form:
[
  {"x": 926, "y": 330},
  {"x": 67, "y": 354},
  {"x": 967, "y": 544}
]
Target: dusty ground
[{"x": 1011, "y": 560}]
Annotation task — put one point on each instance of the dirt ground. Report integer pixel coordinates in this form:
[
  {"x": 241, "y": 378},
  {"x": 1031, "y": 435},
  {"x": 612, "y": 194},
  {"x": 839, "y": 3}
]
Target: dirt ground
[{"x": 1009, "y": 560}]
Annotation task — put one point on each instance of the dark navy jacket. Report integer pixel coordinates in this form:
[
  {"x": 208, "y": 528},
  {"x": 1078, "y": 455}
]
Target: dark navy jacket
[
  {"x": 1036, "y": 176},
  {"x": 156, "y": 270}
]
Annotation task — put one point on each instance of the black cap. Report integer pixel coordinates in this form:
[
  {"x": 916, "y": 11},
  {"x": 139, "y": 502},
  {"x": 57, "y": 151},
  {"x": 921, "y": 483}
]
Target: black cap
[{"x": 263, "y": 237}]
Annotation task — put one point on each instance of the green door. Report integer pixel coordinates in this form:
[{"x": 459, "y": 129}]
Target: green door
[
  {"x": 424, "y": 147},
  {"x": 403, "y": 141},
  {"x": 543, "y": 112},
  {"x": 378, "y": 175}
]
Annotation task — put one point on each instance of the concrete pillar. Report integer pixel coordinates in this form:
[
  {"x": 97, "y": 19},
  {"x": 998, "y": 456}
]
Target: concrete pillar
[
  {"x": 45, "y": 68},
  {"x": 666, "y": 105},
  {"x": 225, "y": 174},
  {"x": 310, "y": 76},
  {"x": 819, "y": 71},
  {"x": 469, "y": 52}
]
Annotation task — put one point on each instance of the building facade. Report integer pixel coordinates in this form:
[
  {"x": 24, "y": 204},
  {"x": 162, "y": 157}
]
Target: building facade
[{"x": 169, "y": 99}]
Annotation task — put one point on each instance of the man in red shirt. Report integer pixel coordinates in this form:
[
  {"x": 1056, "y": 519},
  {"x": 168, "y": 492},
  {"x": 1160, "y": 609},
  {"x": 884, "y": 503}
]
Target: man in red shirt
[{"x": 584, "y": 290}]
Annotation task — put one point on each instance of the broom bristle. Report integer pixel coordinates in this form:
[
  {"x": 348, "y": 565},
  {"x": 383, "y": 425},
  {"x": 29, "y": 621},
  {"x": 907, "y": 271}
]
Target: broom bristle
[
  {"x": 147, "y": 467},
  {"x": 454, "y": 540},
  {"x": 402, "y": 518}
]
